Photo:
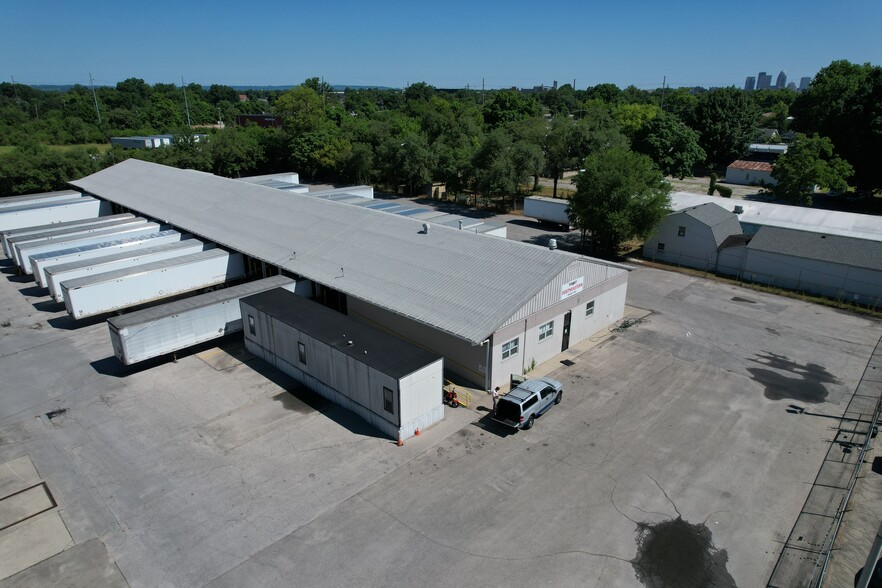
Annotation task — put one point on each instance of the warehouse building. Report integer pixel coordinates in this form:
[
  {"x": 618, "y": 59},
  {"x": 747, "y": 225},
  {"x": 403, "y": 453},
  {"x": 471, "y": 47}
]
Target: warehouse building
[{"x": 491, "y": 307}]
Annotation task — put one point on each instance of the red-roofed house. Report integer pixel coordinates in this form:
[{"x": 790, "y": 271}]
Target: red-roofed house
[{"x": 750, "y": 173}]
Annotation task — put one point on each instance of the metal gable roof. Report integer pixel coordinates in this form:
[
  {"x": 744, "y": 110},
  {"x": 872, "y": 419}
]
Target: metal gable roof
[
  {"x": 721, "y": 222},
  {"x": 833, "y": 248},
  {"x": 456, "y": 281}
]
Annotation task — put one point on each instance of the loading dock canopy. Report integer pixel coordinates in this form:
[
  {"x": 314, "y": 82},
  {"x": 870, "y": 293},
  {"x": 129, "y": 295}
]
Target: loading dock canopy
[
  {"x": 458, "y": 282},
  {"x": 377, "y": 349}
]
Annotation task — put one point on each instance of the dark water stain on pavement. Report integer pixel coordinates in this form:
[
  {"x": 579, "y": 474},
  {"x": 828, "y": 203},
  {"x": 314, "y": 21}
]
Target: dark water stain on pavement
[
  {"x": 677, "y": 554},
  {"x": 807, "y": 385}
]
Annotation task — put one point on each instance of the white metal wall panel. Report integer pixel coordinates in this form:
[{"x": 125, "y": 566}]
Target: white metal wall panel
[
  {"x": 696, "y": 248},
  {"x": 60, "y": 211},
  {"x": 421, "y": 392},
  {"x": 859, "y": 285},
  {"x": 592, "y": 273},
  {"x": 57, "y": 274},
  {"x": 24, "y": 251},
  {"x": 609, "y": 307},
  {"x": 7, "y": 235},
  {"x": 114, "y": 290},
  {"x": 85, "y": 252},
  {"x": 730, "y": 261}
]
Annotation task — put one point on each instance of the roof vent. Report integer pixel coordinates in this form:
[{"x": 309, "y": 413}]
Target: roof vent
[
  {"x": 738, "y": 209},
  {"x": 460, "y": 225},
  {"x": 349, "y": 344},
  {"x": 552, "y": 244},
  {"x": 426, "y": 228}
]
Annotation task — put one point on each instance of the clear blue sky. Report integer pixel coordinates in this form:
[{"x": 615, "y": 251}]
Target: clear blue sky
[{"x": 446, "y": 44}]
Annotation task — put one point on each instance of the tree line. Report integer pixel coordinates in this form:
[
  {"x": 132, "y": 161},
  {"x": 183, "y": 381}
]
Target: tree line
[{"x": 495, "y": 144}]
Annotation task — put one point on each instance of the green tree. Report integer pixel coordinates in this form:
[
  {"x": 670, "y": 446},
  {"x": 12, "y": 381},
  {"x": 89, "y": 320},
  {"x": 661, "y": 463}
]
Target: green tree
[
  {"x": 671, "y": 145},
  {"x": 620, "y": 195},
  {"x": 809, "y": 161},
  {"x": 236, "y": 150},
  {"x": 726, "y": 121},
  {"x": 633, "y": 116},
  {"x": 844, "y": 103},
  {"x": 508, "y": 106},
  {"x": 495, "y": 172}
]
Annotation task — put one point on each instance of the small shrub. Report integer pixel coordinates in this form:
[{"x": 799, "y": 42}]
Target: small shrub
[
  {"x": 725, "y": 191},
  {"x": 713, "y": 184}
]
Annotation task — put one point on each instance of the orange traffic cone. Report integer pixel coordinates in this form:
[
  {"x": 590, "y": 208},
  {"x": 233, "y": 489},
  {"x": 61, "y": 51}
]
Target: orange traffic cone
[
  {"x": 417, "y": 432},
  {"x": 400, "y": 442}
]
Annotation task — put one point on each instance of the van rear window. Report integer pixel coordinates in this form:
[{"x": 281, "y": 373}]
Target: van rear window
[{"x": 530, "y": 402}]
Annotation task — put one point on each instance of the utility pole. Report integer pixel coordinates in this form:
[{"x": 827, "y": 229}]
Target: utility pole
[
  {"x": 94, "y": 97},
  {"x": 186, "y": 105},
  {"x": 15, "y": 89},
  {"x": 482, "y": 91},
  {"x": 664, "y": 82}
]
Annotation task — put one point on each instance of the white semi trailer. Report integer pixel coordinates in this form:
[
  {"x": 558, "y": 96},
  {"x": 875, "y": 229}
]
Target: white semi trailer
[
  {"x": 41, "y": 261},
  {"x": 547, "y": 210},
  {"x": 7, "y": 235},
  {"x": 55, "y": 235},
  {"x": 24, "y": 252},
  {"x": 157, "y": 331},
  {"x": 56, "y": 211},
  {"x": 56, "y": 274},
  {"x": 93, "y": 295},
  {"x": 26, "y": 199}
]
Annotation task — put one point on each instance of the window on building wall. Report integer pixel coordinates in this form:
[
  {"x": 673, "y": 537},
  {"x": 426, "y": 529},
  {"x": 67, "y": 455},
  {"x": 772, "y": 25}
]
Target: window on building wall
[
  {"x": 388, "y": 406},
  {"x": 660, "y": 247},
  {"x": 510, "y": 348},
  {"x": 681, "y": 232},
  {"x": 546, "y": 330},
  {"x": 589, "y": 308},
  {"x": 251, "y": 324},
  {"x": 301, "y": 350}
]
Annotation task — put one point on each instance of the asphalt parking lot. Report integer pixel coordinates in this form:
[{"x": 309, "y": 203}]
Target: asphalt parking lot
[{"x": 672, "y": 457}]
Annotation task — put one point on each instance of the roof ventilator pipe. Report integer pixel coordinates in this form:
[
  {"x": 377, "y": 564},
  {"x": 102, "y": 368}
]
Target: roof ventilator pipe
[{"x": 552, "y": 244}]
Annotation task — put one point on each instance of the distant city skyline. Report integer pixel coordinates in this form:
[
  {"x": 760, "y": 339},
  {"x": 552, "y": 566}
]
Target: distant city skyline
[{"x": 450, "y": 45}]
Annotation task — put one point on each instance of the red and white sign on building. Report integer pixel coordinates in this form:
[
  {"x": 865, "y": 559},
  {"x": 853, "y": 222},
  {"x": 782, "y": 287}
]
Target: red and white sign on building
[{"x": 572, "y": 287}]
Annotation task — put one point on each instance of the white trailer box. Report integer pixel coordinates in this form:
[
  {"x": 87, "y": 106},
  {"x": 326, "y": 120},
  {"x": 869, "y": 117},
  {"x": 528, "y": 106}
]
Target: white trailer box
[
  {"x": 123, "y": 288},
  {"x": 38, "y": 198},
  {"x": 24, "y": 252},
  {"x": 57, "y": 211},
  {"x": 547, "y": 210},
  {"x": 19, "y": 241},
  {"x": 152, "y": 332},
  {"x": 7, "y": 235},
  {"x": 127, "y": 258},
  {"x": 84, "y": 252}
]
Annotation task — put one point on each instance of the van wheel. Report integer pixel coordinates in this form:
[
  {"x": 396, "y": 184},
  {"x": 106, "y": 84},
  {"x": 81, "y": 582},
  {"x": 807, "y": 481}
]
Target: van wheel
[
  {"x": 559, "y": 398},
  {"x": 529, "y": 423}
]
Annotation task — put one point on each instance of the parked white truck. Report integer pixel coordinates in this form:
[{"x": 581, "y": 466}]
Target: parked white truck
[{"x": 547, "y": 210}]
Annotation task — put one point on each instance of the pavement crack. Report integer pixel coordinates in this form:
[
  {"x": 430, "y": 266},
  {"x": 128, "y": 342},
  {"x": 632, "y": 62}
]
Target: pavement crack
[{"x": 666, "y": 495}]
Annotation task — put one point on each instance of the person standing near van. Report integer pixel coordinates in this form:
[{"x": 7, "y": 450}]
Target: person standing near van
[{"x": 495, "y": 398}]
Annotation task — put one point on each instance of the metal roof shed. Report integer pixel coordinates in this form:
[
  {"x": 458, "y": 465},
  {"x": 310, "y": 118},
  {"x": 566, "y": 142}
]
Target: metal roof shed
[{"x": 388, "y": 382}]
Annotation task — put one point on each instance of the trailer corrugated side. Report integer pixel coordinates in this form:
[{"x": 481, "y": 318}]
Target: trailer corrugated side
[
  {"x": 6, "y": 235},
  {"x": 8, "y": 201},
  {"x": 17, "y": 217},
  {"x": 44, "y": 260},
  {"x": 64, "y": 272},
  {"x": 156, "y": 331},
  {"x": 119, "y": 289},
  {"x": 550, "y": 210},
  {"x": 102, "y": 236},
  {"x": 18, "y": 241}
]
